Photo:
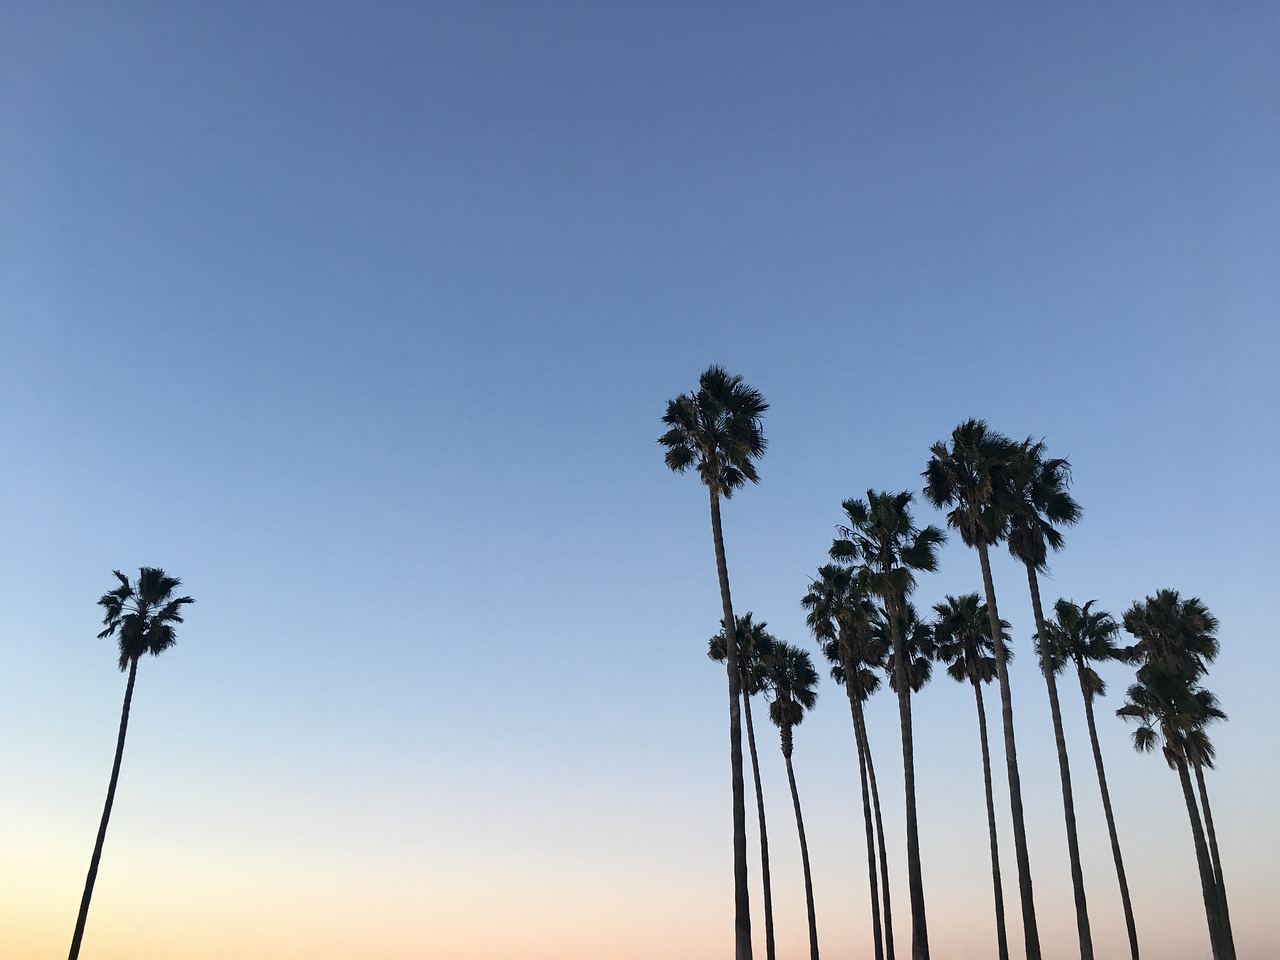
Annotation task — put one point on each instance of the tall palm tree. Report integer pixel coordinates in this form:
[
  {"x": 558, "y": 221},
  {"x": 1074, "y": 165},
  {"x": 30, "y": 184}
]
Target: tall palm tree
[
  {"x": 755, "y": 643},
  {"x": 717, "y": 431},
  {"x": 141, "y": 616},
  {"x": 883, "y": 541},
  {"x": 793, "y": 682},
  {"x": 962, "y": 633},
  {"x": 973, "y": 477},
  {"x": 1039, "y": 505},
  {"x": 1176, "y": 641},
  {"x": 1168, "y": 706},
  {"x": 840, "y": 612},
  {"x": 1085, "y": 636}
]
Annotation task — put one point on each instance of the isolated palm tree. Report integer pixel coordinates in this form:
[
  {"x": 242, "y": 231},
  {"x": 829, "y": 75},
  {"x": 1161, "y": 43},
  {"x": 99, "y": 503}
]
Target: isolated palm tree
[
  {"x": 792, "y": 683},
  {"x": 141, "y": 616},
  {"x": 1039, "y": 505},
  {"x": 754, "y": 644},
  {"x": 717, "y": 431},
  {"x": 882, "y": 540},
  {"x": 839, "y": 611},
  {"x": 1168, "y": 707},
  {"x": 973, "y": 477},
  {"x": 962, "y": 633},
  {"x": 1085, "y": 636},
  {"x": 1176, "y": 640}
]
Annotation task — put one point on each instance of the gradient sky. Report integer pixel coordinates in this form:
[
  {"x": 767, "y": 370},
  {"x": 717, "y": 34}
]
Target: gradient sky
[{"x": 361, "y": 319}]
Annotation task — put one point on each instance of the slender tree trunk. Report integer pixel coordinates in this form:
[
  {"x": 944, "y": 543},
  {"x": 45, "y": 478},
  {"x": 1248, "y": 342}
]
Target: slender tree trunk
[
  {"x": 915, "y": 883},
  {"x": 1031, "y": 934},
  {"x": 1228, "y": 938},
  {"x": 876, "y": 932},
  {"x": 1002, "y": 938},
  {"x": 1130, "y": 927},
  {"x": 764, "y": 835},
  {"x": 741, "y": 894},
  {"x": 1064, "y": 775},
  {"x": 880, "y": 842},
  {"x": 106, "y": 816},
  {"x": 1208, "y": 882},
  {"x": 804, "y": 845}
]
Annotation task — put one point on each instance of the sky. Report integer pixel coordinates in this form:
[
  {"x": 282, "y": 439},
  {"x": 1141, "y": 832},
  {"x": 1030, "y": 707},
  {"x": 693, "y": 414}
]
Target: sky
[{"x": 361, "y": 319}]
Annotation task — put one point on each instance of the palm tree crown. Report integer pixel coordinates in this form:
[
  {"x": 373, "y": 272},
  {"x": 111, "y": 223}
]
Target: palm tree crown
[
  {"x": 1173, "y": 635},
  {"x": 884, "y": 539},
  {"x": 1039, "y": 504},
  {"x": 142, "y": 615},
  {"x": 972, "y": 477},
  {"x": 962, "y": 633},
  {"x": 718, "y": 430}
]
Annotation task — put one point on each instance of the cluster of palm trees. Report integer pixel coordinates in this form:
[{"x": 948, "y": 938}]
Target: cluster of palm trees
[{"x": 995, "y": 491}]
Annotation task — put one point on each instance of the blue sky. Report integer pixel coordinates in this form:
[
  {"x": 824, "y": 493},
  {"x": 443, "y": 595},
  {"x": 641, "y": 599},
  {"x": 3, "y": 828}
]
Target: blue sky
[{"x": 361, "y": 319}]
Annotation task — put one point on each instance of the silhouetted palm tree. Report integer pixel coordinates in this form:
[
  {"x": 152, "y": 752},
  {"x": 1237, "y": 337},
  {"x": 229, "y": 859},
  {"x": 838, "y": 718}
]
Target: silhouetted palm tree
[
  {"x": 793, "y": 682},
  {"x": 962, "y": 634},
  {"x": 717, "y": 431},
  {"x": 141, "y": 616},
  {"x": 1168, "y": 707},
  {"x": 839, "y": 612},
  {"x": 973, "y": 476},
  {"x": 1085, "y": 636},
  {"x": 1176, "y": 641},
  {"x": 882, "y": 540},
  {"x": 754, "y": 644},
  {"x": 1039, "y": 505}
]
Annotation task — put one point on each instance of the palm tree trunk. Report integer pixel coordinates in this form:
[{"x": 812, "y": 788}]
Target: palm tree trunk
[
  {"x": 741, "y": 893},
  {"x": 915, "y": 883},
  {"x": 1130, "y": 927},
  {"x": 764, "y": 836},
  {"x": 1064, "y": 774},
  {"x": 876, "y": 932},
  {"x": 804, "y": 845},
  {"x": 884, "y": 859},
  {"x": 106, "y": 816},
  {"x": 1227, "y": 936},
  {"x": 1002, "y": 938},
  {"x": 1031, "y": 934},
  {"x": 1208, "y": 883}
]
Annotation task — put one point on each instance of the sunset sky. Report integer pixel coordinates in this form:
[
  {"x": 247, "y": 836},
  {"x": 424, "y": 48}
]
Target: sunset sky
[{"x": 361, "y": 319}]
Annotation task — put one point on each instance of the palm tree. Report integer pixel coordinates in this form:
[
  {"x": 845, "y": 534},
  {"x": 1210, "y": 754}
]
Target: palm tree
[
  {"x": 839, "y": 612},
  {"x": 1040, "y": 503},
  {"x": 141, "y": 617},
  {"x": 962, "y": 633},
  {"x": 1168, "y": 707},
  {"x": 717, "y": 431},
  {"x": 793, "y": 683},
  {"x": 1081, "y": 635},
  {"x": 883, "y": 541},
  {"x": 1176, "y": 641},
  {"x": 755, "y": 643},
  {"x": 973, "y": 478}
]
